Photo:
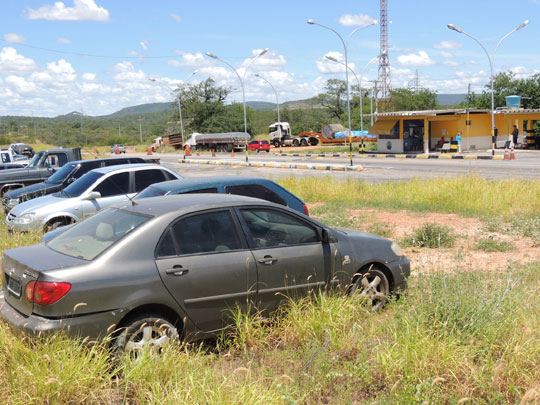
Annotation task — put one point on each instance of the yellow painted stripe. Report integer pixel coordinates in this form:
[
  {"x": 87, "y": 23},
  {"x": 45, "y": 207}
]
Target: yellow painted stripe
[
  {"x": 401, "y": 156},
  {"x": 470, "y": 157},
  {"x": 422, "y": 156},
  {"x": 445, "y": 157}
]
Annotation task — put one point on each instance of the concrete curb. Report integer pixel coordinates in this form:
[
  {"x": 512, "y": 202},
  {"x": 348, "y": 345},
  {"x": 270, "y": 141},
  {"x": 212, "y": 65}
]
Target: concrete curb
[
  {"x": 276, "y": 165},
  {"x": 393, "y": 155}
]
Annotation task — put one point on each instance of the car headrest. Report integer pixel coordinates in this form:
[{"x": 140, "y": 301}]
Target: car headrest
[{"x": 104, "y": 231}]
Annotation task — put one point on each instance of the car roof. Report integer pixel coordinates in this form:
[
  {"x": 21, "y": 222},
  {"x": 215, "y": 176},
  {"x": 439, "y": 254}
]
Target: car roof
[
  {"x": 173, "y": 185},
  {"x": 127, "y": 167},
  {"x": 158, "y": 206},
  {"x": 76, "y": 162}
]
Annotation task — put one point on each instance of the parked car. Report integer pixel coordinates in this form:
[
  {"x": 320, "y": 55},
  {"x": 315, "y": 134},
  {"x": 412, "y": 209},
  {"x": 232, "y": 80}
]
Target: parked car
[
  {"x": 22, "y": 149},
  {"x": 61, "y": 179},
  {"x": 118, "y": 147},
  {"x": 97, "y": 189},
  {"x": 175, "y": 266},
  {"x": 247, "y": 186},
  {"x": 8, "y": 156},
  {"x": 259, "y": 145},
  {"x": 41, "y": 166},
  {"x": 7, "y": 166}
]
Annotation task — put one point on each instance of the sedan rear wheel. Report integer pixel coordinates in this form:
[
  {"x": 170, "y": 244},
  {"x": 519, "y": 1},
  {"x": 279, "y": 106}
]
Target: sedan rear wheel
[
  {"x": 149, "y": 332},
  {"x": 372, "y": 288}
]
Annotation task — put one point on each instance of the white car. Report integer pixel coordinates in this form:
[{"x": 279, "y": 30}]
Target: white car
[{"x": 97, "y": 189}]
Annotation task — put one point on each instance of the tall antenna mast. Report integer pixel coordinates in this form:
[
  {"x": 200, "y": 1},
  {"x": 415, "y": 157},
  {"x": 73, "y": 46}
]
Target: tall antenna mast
[{"x": 383, "y": 101}]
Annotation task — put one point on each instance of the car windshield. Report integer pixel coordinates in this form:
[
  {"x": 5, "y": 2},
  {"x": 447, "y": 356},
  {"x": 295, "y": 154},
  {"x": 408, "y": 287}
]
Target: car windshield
[
  {"x": 150, "y": 192},
  {"x": 35, "y": 160},
  {"x": 89, "y": 238},
  {"x": 61, "y": 174},
  {"x": 80, "y": 185}
]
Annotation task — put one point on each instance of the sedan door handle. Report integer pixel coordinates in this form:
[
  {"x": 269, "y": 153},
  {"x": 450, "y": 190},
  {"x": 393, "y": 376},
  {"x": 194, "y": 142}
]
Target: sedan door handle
[
  {"x": 268, "y": 260},
  {"x": 177, "y": 270}
]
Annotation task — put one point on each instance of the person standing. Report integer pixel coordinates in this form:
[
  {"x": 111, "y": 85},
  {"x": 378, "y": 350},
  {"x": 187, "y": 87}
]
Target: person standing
[
  {"x": 458, "y": 140},
  {"x": 515, "y": 133}
]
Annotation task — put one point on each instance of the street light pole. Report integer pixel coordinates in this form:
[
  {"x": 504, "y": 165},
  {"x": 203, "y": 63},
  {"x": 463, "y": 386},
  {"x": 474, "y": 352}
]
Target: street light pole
[
  {"x": 211, "y": 55},
  {"x": 311, "y": 22},
  {"x": 153, "y": 79},
  {"x": 491, "y": 60},
  {"x": 277, "y": 99},
  {"x": 362, "y": 148}
]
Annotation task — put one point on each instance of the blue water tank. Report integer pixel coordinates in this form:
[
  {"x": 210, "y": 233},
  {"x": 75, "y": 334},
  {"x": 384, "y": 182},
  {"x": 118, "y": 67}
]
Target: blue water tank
[{"x": 513, "y": 101}]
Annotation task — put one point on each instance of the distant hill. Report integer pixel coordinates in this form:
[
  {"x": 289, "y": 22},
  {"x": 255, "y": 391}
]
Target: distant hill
[
  {"x": 261, "y": 105},
  {"x": 140, "y": 109},
  {"x": 451, "y": 99}
]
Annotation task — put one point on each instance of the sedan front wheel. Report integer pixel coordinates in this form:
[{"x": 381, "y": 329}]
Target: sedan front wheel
[
  {"x": 148, "y": 332},
  {"x": 373, "y": 288}
]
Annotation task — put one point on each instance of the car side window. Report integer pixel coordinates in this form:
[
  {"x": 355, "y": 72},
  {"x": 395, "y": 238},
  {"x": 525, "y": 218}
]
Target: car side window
[
  {"x": 256, "y": 191},
  {"x": 85, "y": 168},
  {"x": 144, "y": 178},
  {"x": 210, "y": 190},
  {"x": 166, "y": 245},
  {"x": 55, "y": 161},
  {"x": 114, "y": 185},
  {"x": 204, "y": 233},
  {"x": 271, "y": 228}
]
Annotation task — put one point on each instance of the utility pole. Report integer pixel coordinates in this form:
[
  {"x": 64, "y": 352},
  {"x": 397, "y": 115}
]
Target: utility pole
[{"x": 140, "y": 129}]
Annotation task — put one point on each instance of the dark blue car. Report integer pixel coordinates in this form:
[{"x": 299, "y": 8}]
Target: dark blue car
[{"x": 247, "y": 186}]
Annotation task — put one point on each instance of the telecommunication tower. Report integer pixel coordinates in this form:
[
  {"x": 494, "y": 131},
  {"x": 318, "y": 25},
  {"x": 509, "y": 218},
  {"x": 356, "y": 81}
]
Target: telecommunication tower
[{"x": 383, "y": 94}]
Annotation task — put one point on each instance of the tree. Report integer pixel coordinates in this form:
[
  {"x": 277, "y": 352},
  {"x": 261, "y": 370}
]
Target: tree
[
  {"x": 409, "y": 100},
  {"x": 202, "y": 105},
  {"x": 335, "y": 97}
]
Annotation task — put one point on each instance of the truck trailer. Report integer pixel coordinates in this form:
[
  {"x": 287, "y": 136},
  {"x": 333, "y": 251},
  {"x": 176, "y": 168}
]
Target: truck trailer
[{"x": 220, "y": 142}]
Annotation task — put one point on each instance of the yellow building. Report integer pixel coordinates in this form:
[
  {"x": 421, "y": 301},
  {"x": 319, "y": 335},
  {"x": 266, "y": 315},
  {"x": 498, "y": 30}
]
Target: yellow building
[{"x": 421, "y": 131}]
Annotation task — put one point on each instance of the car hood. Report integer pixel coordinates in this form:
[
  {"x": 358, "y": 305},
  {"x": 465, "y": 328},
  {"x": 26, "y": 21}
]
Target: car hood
[
  {"x": 34, "y": 190},
  {"x": 45, "y": 202}
]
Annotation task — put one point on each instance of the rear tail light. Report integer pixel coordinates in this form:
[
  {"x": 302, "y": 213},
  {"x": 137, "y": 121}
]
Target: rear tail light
[
  {"x": 306, "y": 210},
  {"x": 45, "y": 293}
]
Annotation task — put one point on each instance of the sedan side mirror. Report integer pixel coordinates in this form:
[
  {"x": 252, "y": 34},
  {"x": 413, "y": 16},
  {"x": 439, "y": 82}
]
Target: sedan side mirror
[{"x": 93, "y": 195}]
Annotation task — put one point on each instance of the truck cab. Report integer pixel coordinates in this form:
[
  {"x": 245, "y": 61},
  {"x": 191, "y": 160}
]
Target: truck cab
[{"x": 279, "y": 131}]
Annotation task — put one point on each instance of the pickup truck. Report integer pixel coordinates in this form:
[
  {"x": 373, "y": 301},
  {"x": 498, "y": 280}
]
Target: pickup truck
[
  {"x": 70, "y": 172},
  {"x": 43, "y": 164}
]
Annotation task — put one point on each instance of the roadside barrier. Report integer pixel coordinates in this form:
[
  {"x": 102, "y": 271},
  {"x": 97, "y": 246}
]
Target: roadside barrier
[
  {"x": 213, "y": 153},
  {"x": 232, "y": 153},
  {"x": 506, "y": 157}
]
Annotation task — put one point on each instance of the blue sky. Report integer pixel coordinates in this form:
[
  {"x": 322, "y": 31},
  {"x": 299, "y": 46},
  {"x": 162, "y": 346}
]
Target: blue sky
[{"x": 98, "y": 55}]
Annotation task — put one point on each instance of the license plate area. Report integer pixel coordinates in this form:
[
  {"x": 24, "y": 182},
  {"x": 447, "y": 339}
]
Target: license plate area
[{"x": 14, "y": 287}]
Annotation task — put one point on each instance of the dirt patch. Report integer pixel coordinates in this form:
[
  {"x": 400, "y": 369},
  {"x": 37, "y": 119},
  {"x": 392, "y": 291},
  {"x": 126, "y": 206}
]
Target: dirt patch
[{"x": 464, "y": 255}]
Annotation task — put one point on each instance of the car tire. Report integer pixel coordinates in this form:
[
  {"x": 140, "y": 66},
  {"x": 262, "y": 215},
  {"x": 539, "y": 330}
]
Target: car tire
[
  {"x": 296, "y": 143},
  {"x": 258, "y": 150},
  {"x": 373, "y": 288},
  {"x": 303, "y": 143},
  {"x": 267, "y": 150},
  {"x": 147, "y": 332},
  {"x": 54, "y": 224}
]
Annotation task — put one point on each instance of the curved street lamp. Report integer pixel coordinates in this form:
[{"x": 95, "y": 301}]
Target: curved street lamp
[
  {"x": 311, "y": 22},
  {"x": 275, "y": 92},
  {"x": 362, "y": 148},
  {"x": 211, "y": 55},
  {"x": 161, "y": 83},
  {"x": 491, "y": 60}
]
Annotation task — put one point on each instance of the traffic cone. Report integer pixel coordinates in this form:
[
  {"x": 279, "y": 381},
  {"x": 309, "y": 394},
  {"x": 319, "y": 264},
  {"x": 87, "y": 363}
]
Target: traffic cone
[
  {"x": 506, "y": 157},
  {"x": 213, "y": 153},
  {"x": 187, "y": 151},
  {"x": 512, "y": 154},
  {"x": 232, "y": 153},
  {"x": 117, "y": 150},
  {"x": 149, "y": 150},
  {"x": 198, "y": 154}
]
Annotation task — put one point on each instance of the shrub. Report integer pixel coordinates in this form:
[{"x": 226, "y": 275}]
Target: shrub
[
  {"x": 431, "y": 236},
  {"x": 493, "y": 245}
]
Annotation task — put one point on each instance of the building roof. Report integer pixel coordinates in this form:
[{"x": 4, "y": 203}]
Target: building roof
[{"x": 457, "y": 111}]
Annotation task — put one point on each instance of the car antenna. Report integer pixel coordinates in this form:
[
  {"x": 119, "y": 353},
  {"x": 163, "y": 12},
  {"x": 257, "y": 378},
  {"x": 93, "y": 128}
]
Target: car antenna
[{"x": 133, "y": 203}]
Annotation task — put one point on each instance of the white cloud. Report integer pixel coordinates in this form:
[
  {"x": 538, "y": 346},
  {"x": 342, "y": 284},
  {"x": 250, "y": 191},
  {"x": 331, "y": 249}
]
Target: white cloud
[
  {"x": 13, "y": 63},
  {"x": 191, "y": 59},
  {"x": 328, "y": 66},
  {"x": 82, "y": 10},
  {"x": 63, "y": 41},
  {"x": 176, "y": 17},
  {"x": 15, "y": 38},
  {"x": 89, "y": 77},
  {"x": 144, "y": 44},
  {"x": 450, "y": 63},
  {"x": 446, "y": 54},
  {"x": 448, "y": 45},
  {"x": 270, "y": 60},
  {"x": 125, "y": 72},
  {"x": 350, "y": 20},
  {"x": 521, "y": 72},
  {"x": 419, "y": 59}
]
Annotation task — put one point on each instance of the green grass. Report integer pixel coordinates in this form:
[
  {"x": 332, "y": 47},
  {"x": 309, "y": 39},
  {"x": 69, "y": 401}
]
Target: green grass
[
  {"x": 431, "y": 236},
  {"x": 493, "y": 245},
  {"x": 451, "y": 336}
]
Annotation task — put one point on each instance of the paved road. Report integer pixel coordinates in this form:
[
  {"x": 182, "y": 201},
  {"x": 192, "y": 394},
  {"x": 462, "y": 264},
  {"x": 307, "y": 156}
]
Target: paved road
[{"x": 526, "y": 166}]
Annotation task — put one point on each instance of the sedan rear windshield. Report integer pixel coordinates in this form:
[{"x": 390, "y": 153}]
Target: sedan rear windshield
[
  {"x": 87, "y": 239},
  {"x": 61, "y": 174},
  {"x": 79, "y": 186}
]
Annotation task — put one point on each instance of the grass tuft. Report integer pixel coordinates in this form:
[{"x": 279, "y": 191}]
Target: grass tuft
[{"x": 431, "y": 236}]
